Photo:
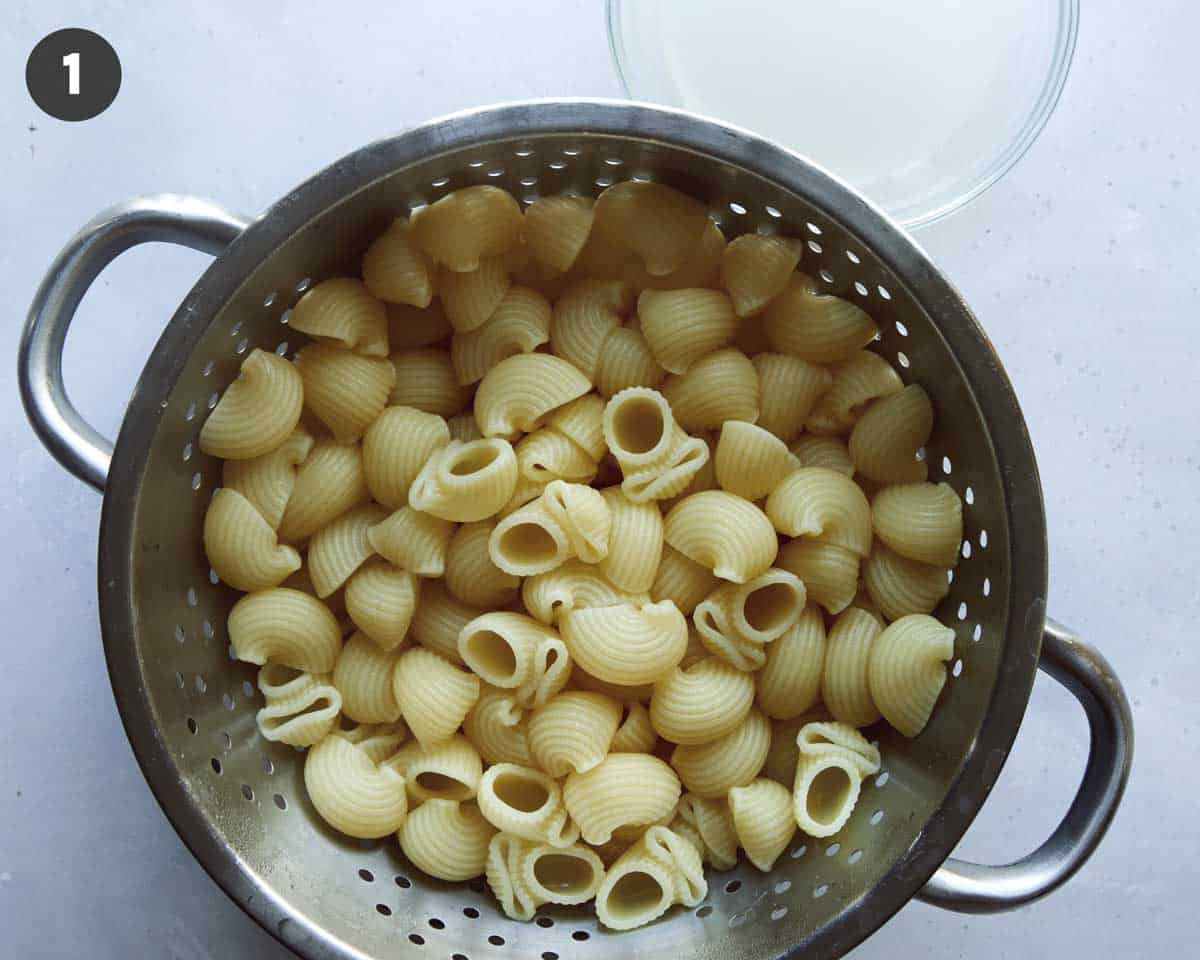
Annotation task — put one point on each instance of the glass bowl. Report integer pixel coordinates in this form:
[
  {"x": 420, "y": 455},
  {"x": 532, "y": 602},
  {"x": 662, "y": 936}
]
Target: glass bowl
[{"x": 921, "y": 105}]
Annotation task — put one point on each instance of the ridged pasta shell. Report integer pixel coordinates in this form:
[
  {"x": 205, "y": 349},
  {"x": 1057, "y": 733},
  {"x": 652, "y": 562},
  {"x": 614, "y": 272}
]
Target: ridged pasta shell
[
  {"x": 750, "y": 461},
  {"x": 724, "y": 533},
  {"x": 624, "y": 644},
  {"x": 556, "y": 228},
  {"x": 823, "y": 504},
  {"x": 660, "y": 859},
  {"x": 623, "y": 790},
  {"x": 713, "y": 769},
  {"x": 789, "y": 684},
  {"x": 907, "y": 670},
  {"x": 701, "y": 703},
  {"x": 342, "y": 311},
  {"x": 844, "y": 684},
  {"x": 573, "y": 731},
  {"x": 817, "y": 327},
  {"x": 267, "y": 481},
  {"x": 764, "y": 820},
  {"x": 466, "y": 225},
  {"x": 860, "y": 378},
  {"x": 788, "y": 390},
  {"x": 425, "y": 379},
  {"x": 351, "y": 791},
  {"x": 434, "y": 695},
  {"x": 394, "y": 269},
  {"x": 363, "y": 676},
  {"x": 920, "y": 521},
  {"x": 241, "y": 546},
  {"x": 344, "y": 391},
  {"x": 257, "y": 411},
  {"x": 723, "y": 385},
  {"x": 395, "y": 448},
  {"x": 885, "y": 441},
  {"x": 447, "y": 839},
  {"x": 657, "y": 223},
  {"x": 516, "y": 393},
  {"x": 681, "y": 326},
  {"x": 755, "y": 268},
  {"x": 584, "y": 316},
  {"x": 285, "y": 626}
]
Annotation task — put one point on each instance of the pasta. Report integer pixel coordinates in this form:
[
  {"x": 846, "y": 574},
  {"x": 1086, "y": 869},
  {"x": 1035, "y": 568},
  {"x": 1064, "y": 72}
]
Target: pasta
[
  {"x": 829, "y": 452},
  {"x": 713, "y": 827},
  {"x": 257, "y": 411},
  {"x": 885, "y": 441},
  {"x": 682, "y": 581},
  {"x": 425, "y": 380},
  {"x": 635, "y": 542},
  {"x": 447, "y": 839},
  {"x": 467, "y": 225},
  {"x": 681, "y": 326},
  {"x": 466, "y": 482},
  {"x": 733, "y": 760},
  {"x": 635, "y": 733},
  {"x": 660, "y": 225},
  {"x": 470, "y": 574},
  {"x": 844, "y": 684},
  {"x": 754, "y": 269},
  {"x": 920, "y": 521},
  {"x": 574, "y": 585},
  {"x": 285, "y": 626},
  {"x": 701, "y": 703},
  {"x": 789, "y": 388},
  {"x": 857, "y": 381},
  {"x": 657, "y": 458},
  {"x": 499, "y": 728},
  {"x": 750, "y": 461},
  {"x": 352, "y": 791},
  {"x": 524, "y": 875},
  {"x": 329, "y": 482},
  {"x": 623, "y": 790},
  {"x": 789, "y": 683},
  {"x": 413, "y": 541},
  {"x": 763, "y": 817},
  {"x": 737, "y": 621},
  {"x": 816, "y": 327},
  {"x": 583, "y": 515},
  {"x": 439, "y": 620},
  {"x": 900, "y": 586},
  {"x": 343, "y": 390},
  {"x": 434, "y": 695},
  {"x": 626, "y": 645},
  {"x": 572, "y": 732},
  {"x": 829, "y": 572},
  {"x": 832, "y": 761},
  {"x": 702, "y": 268},
  {"x": 241, "y": 546},
  {"x": 363, "y": 678},
  {"x": 342, "y": 312},
  {"x": 722, "y": 385},
  {"x": 451, "y": 770},
  {"x": 517, "y": 393},
  {"x": 556, "y": 228},
  {"x": 341, "y": 547},
  {"x": 824, "y": 504},
  {"x": 519, "y": 323},
  {"x": 782, "y": 756},
  {"x": 393, "y": 269},
  {"x": 659, "y": 870},
  {"x": 582, "y": 422},
  {"x": 471, "y": 298},
  {"x": 516, "y": 652},
  {"x": 267, "y": 481},
  {"x": 410, "y": 327},
  {"x": 546, "y": 455},
  {"x": 395, "y": 448},
  {"x": 526, "y": 803},
  {"x": 300, "y": 708},
  {"x": 723, "y": 533},
  {"x": 381, "y": 600},
  {"x": 529, "y": 541},
  {"x": 462, "y": 427},
  {"x": 907, "y": 670},
  {"x": 625, "y": 361},
  {"x": 637, "y": 693},
  {"x": 584, "y": 317}
]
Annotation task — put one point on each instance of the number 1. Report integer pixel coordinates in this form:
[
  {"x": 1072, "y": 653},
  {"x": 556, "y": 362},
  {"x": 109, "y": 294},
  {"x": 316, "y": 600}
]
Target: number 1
[{"x": 71, "y": 62}]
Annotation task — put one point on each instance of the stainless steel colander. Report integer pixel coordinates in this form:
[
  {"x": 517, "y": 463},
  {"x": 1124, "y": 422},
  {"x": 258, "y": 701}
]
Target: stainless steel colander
[{"x": 238, "y": 801}]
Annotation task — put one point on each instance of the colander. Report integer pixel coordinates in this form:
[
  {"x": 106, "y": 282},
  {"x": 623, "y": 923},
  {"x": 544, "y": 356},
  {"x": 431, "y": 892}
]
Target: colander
[{"x": 238, "y": 801}]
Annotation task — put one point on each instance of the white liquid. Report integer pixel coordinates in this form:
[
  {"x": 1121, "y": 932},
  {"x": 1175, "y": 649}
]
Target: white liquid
[{"x": 902, "y": 99}]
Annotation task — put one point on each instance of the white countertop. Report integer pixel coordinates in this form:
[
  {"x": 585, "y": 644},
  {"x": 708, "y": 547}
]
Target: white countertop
[{"x": 1081, "y": 264}]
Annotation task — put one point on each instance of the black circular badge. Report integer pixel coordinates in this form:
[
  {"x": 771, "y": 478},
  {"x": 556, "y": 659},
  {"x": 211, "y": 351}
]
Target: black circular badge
[{"x": 73, "y": 74}]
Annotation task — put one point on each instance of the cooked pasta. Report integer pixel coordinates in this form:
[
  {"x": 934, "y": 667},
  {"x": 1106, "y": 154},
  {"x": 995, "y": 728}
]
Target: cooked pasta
[
  {"x": 267, "y": 481},
  {"x": 657, "y": 223},
  {"x": 623, "y": 790},
  {"x": 470, "y": 574},
  {"x": 584, "y": 317},
  {"x": 733, "y": 760},
  {"x": 636, "y": 733},
  {"x": 506, "y": 878},
  {"x": 524, "y": 875},
  {"x": 345, "y": 391},
  {"x": 754, "y": 269},
  {"x": 702, "y": 268},
  {"x": 660, "y": 870},
  {"x": 737, "y": 621},
  {"x": 789, "y": 388},
  {"x": 526, "y": 803},
  {"x": 844, "y": 684},
  {"x": 467, "y": 225},
  {"x": 635, "y": 542},
  {"x": 823, "y": 504},
  {"x": 498, "y": 728},
  {"x": 257, "y": 411},
  {"x": 546, "y": 455},
  {"x": 682, "y": 581},
  {"x": 434, "y": 695},
  {"x": 395, "y": 448},
  {"x": 900, "y": 586},
  {"x": 517, "y": 393},
  {"x": 626, "y": 645},
  {"x": 789, "y": 684},
  {"x": 750, "y": 461},
  {"x": 701, "y": 703},
  {"x": 638, "y": 693},
  {"x": 713, "y": 825},
  {"x": 816, "y": 326},
  {"x": 763, "y": 818},
  {"x": 529, "y": 541},
  {"x": 829, "y": 452},
  {"x": 681, "y": 326},
  {"x": 470, "y": 299},
  {"x": 885, "y": 441},
  {"x": 857, "y": 381},
  {"x": 583, "y": 514},
  {"x": 518, "y": 324},
  {"x": 381, "y": 600},
  {"x": 582, "y": 422},
  {"x": 300, "y": 708},
  {"x": 657, "y": 458},
  {"x": 393, "y": 269},
  {"x": 571, "y": 586},
  {"x": 572, "y": 731},
  {"x": 410, "y": 327},
  {"x": 829, "y": 572},
  {"x": 425, "y": 380},
  {"x": 720, "y": 386},
  {"x": 723, "y": 533},
  {"x": 556, "y": 228},
  {"x": 829, "y": 777},
  {"x": 439, "y": 620},
  {"x": 515, "y": 652},
  {"x": 462, "y": 427},
  {"x": 342, "y": 312},
  {"x": 363, "y": 677},
  {"x": 241, "y": 546},
  {"x": 285, "y": 626},
  {"x": 466, "y": 482},
  {"x": 920, "y": 521},
  {"x": 447, "y": 839},
  {"x": 781, "y": 757},
  {"x": 626, "y": 361},
  {"x": 341, "y": 547},
  {"x": 352, "y": 791},
  {"x": 450, "y": 770},
  {"x": 413, "y": 541},
  {"x": 329, "y": 482},
  {"x": 907, "y": 670}
]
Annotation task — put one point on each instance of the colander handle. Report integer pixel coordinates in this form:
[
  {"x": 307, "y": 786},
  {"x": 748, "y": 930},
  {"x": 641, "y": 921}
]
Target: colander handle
[
  {"x": 976, "y": 888},
  {"x": 166, "y": 217}
]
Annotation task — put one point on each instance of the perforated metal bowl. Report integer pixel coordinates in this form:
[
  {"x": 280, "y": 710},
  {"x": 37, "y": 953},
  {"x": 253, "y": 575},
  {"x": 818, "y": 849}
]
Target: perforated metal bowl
[{"x": 238, "y": 801}]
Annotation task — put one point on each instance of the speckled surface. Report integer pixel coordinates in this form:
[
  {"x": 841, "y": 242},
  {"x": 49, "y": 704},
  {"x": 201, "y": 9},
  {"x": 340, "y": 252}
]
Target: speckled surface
[{"x": 1082, "y": 265}]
